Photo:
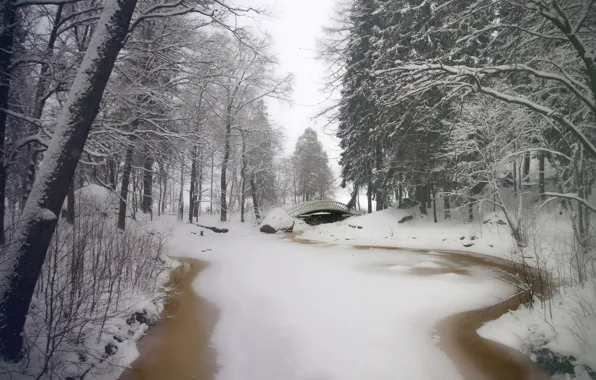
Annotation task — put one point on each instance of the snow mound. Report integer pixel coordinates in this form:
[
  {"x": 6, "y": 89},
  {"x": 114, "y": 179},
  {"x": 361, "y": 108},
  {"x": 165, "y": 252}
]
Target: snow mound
[
  {"x": 94, "y": 198},
  {"x": 277, "y": 219}
]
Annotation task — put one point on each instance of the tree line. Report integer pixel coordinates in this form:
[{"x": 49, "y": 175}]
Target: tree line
[{"x": 461, "y": 99}]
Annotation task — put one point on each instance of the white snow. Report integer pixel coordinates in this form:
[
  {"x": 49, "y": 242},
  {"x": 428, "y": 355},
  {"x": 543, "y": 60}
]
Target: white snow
[
  {"x": 302, "y": 311},
  {"x": 382, "y": 229}
]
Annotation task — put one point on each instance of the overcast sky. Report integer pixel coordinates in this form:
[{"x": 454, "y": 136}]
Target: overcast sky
[{"x": 295, "y": 26}]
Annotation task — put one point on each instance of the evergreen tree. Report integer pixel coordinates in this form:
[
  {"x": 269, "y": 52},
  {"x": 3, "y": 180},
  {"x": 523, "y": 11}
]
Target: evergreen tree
[{"x": 313, "y": 175}]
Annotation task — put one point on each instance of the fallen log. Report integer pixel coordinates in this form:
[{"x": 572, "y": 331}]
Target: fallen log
[{"x": 214, "y": 229}]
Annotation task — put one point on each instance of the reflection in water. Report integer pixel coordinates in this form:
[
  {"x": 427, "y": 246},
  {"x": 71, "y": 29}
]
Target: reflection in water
[{"x": 178, "y": 347}]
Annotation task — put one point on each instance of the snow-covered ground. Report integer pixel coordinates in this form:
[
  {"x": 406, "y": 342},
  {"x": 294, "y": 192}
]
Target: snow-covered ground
[{"x": 305, "y": 311}]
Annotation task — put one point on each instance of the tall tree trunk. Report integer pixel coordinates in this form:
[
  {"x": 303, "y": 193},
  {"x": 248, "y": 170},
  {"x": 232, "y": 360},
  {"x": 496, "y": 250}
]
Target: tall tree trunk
[
  {"x": 112, "y": 173},
  {"x": 39, "y": 216},
  {"x": 369, "y": 193},
  {"x": 471, "y": 203},
  {"x": 165, "y": 190},
  {"x": 40, "y": 98},
  {"x": 446, "y": 206},
  {"x": 181, "y": 195},
  {"x": 70, "y": 203},
  {"x": 6, "y": 47},
  {"x": 526, "y": 176},
  {"x": 541, "y": 184},
  {"x": 243, "y": 179},
  {"x": 400, "y": 192},
  {"x": 224, "y": 164},
  {"x": 255, "y": 200},
  {"x": 515, "y": 182},
  {"x": 211, "y": 188},
  {"x": 147, "y": 202},
  {"x": 379, "y": 196},
  {"x": 200, "y": 186},
  {"x": 421, "y": 197},
  {"x": 434, "y": 194},
  {"x": 193, "y": 180},
  {"x": 124, "y": 186}
]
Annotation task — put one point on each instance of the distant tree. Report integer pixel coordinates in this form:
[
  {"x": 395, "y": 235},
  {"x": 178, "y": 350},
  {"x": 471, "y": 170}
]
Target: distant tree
[{"x": 313, "y": 175}]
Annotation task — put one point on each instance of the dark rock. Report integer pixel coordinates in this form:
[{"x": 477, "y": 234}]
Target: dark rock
[
  {"x": 553, "y": 363},
  {"x": 111, "y": 349},
  {"x": 501, "y": 222},
  {"x": 472, "y": 237},
  {"x": 408, "y": 203},
  {"x": 490, "y": 245},
  {"x": 468, "y": 245},
  {"x": 406, "y": 218},
  {"x": 265, "y": 228},
  {"x": 462, "y": 238},
  {"x": 353, "y": 226},
  {"x": 118, "y": 339},
  {"x": 288, "y": 229},
  {"x": 141, "y": 317}
]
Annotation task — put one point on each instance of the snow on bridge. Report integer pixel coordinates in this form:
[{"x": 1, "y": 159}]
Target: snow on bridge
[{"x": 313, "y": 207}]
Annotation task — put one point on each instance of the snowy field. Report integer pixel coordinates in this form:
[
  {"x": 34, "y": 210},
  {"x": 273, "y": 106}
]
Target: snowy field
[{"x": 304, "y": 311}]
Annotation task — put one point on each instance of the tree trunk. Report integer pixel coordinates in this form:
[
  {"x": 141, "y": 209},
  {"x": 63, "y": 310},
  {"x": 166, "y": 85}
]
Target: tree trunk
[
  {"x": 515, "y": 184},
  {"x": 421, "y": 195},
  {"x": 243, "y": 179},
  {"x": 369, "y": 192},
  {"x": 255, "y": 201},
  {"x": 211, "y": 188},
  {"x": 446, "y": 206},
  {"x": 471, "y": 203},
  {"x": 224, "y": 164},
  {"x": 147, "y": 202},
  {"x": 541, "y": 184},
  {"x": 526, "y": 176},
  {"x": 200, "y": 186},
  {"x": 434, "y": 194},
  {"x": 40, "y": 99},
  {"x": 400, "y": 191},
  {"x": 39, "y": 216},
  {"x": 193, "y": 180},
  {"x": 181, "y": 195},
  {"x": 124, "y": 187},
  {"x": 70, "y": 203},
  {"x": 6, "y": 43},
  {"x": 165, "y": 191}
]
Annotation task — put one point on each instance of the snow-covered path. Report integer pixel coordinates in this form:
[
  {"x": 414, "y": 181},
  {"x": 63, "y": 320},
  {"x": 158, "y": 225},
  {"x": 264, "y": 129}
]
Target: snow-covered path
[{"x": 300, "y": 311}]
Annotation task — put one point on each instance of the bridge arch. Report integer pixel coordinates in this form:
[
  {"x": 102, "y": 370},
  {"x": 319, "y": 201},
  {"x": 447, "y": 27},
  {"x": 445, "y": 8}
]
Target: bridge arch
[{"x": 319, "y": 206}]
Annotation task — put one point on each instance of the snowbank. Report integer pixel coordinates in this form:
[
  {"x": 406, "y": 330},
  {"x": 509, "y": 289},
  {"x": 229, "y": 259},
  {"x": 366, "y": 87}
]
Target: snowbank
[{"x": 383, "y": 229}]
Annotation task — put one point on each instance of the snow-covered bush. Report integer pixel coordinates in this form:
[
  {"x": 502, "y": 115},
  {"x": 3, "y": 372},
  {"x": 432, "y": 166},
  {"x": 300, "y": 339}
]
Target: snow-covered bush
[{"x": 99, "y": 289}]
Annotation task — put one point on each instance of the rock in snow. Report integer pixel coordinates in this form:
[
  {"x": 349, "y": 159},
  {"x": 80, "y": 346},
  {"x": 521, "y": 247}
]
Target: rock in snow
[{"x": 276, "y": 220}]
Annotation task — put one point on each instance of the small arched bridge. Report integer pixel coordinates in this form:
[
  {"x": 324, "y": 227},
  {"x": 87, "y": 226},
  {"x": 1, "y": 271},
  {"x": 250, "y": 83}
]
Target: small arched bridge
[{"x": 322, "y": 211}]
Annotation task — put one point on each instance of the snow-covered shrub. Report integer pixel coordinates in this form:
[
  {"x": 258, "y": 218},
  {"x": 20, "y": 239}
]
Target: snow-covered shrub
[{"x": 96, "y": 281}]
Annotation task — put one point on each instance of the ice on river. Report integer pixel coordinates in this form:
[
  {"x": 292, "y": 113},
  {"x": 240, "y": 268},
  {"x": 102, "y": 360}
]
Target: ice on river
[{"x": 302, "y": 311}]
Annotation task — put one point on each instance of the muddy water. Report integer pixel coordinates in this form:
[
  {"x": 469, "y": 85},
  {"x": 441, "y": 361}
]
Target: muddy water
[
  {"x": 478, "y": 358},
  {"x": 178, "y": 347}
]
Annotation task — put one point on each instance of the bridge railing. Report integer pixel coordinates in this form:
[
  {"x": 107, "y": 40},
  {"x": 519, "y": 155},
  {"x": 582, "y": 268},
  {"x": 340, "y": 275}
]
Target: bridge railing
[{"x": 318, "y": 205}]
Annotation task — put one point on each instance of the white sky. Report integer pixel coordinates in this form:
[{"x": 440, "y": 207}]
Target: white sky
[{"x": 295, "y": 26}]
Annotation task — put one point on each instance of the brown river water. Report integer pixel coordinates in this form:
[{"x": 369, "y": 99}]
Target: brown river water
[{"x": 179, "y": 346}]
